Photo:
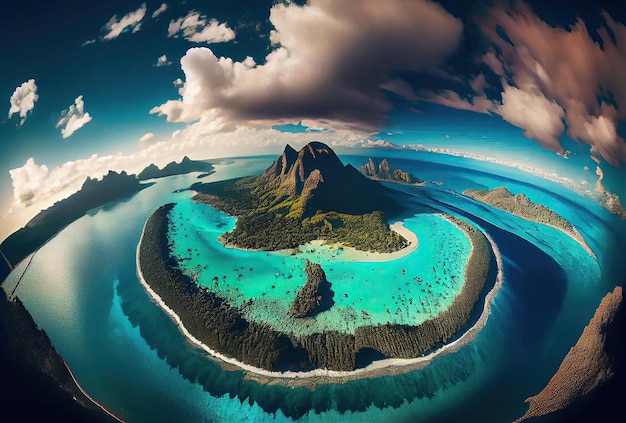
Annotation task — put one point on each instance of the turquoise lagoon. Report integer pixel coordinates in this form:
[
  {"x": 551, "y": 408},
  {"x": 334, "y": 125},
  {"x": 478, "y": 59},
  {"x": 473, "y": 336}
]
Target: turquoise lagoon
[
  {"x": 407, "y": 290},
  {"x": 127, "y": 353}
]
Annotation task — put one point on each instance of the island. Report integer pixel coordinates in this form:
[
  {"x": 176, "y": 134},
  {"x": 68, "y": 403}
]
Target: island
[
  {"x": 304, "y": 195},
  {"x": 186, "y": 165},
  {"x": 47, "y": 223},
  {"x": 384, "y": 172},
  {"x": 597, "y": 359},
  {"x": 521, "y": 206}
]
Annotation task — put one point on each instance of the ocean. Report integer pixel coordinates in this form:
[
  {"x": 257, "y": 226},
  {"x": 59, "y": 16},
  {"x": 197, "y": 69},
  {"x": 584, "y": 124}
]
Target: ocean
[{"x": 82, "y": 288}]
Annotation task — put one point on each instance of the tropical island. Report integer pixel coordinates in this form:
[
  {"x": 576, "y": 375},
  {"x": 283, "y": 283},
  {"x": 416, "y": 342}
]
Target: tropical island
[
  {"x": 305, "y": 195},
  {"x": 521, "y": 206}
]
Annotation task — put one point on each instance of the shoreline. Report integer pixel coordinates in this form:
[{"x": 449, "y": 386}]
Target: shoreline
[
  {"x": 351, "y": 254},
  {"x": 317, "y": 376}
]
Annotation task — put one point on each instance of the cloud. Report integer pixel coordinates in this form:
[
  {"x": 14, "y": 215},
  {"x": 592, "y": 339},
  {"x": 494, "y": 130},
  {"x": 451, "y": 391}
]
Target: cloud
[
  {"x": 73, "y": 118},
  {"x": 159, "y": 11},
  {"x": 449, "y": 98},
  {"x": 195, "y": 28},
  {"x": 23, "y": 100},
  {"x": 130, "y": 22},
  {"x": 146, "y": 137},
  {"x": 541, "y": 118},
  {"x": 303, "y": 78},
  {"x": 178, "y": 82},
  {"x": 162, "y": 61},
  {"x": 564, "y": 68},
  {"x": 88, "y": 42}
]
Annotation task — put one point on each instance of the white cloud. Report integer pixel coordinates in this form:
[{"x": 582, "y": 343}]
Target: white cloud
[
  {"x": 566, "y": 67},
  {"x": 159, "y": 11},
  {"x": 195, "y": 28},
  {"x": 88, "y": 42},
  {"x": 178, "y": 82},
  {"x": 146, "y": 137},
  {"x": 23, "y": 100},
  {"x": 162, "y": 61},
  {"x": 302, "y": 78},
  {"x": 130, "y": 22},
  {"x": 541, "y": 118},
  {"x": 73, "y": 118}
]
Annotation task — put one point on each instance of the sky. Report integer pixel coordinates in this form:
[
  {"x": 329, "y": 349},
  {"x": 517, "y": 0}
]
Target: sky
[{"x": 90, "y": 87}]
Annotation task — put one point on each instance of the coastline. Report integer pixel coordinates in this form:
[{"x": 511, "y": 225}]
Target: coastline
[
  {"x": 317, "y": 376},
  {"x": 351, "y": 254}
]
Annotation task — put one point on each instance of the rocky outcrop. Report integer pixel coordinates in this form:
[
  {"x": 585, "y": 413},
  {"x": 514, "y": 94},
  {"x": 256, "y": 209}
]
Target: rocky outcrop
[
  {"x": 384, "y": 172},
  {"x": 309, "y": 298},
  {"x": 315, "y": 179},
  {"x": 185, "y": 166},
  {"x": 588, "y": 365}
]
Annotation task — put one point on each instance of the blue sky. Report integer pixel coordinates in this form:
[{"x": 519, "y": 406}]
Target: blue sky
[{"x": 122, "y": 84}]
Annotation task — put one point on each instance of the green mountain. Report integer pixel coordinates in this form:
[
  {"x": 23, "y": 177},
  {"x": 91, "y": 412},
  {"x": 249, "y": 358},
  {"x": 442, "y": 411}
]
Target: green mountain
[{"x": 305, "y": 195}]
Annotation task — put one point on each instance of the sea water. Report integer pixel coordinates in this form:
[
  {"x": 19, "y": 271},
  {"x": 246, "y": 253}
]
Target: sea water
[
  {"x": 407, "y": 290},
  {"x": 83, "y": 290}
]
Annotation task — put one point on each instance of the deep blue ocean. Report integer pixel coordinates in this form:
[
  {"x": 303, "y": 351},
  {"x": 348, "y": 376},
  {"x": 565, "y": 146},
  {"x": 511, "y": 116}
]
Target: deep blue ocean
[{"x": 128, "y": 354}]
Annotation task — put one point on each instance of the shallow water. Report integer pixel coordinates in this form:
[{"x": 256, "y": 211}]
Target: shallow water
[
  {"x": 408, "y": 290},
  {"x": 83, "y": 290}
]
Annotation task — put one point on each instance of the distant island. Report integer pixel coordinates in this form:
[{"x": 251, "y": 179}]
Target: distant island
[
  {"x": 94, "y": 193},
  {"x": 384, "y": 172},
  {"x": 303, "y": 196},
  {"x": 185, "y": 166},
  {"x": 521, "y": 206},
  {"x": 306, "y": 195}
]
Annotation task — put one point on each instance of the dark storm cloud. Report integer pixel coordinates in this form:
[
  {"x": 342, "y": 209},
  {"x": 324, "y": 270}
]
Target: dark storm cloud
[{"x": 329, "y": 61}]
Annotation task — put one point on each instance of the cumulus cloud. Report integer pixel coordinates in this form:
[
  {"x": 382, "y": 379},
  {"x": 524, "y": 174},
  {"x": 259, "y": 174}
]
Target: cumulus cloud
[
  {"x": 146, "y": 137},
  {"x": 162, "y": 8},
  {"x": 162, "y": 61},
  {"x": 303, "y": 78},
  {"x": 178, "y": 82},
  {"x": 73, "y": 118},
  {"x": 541, "y": 118},
  {"x": 562, "y": 68},
  {"x": 23, "y": 100},
  {"x": 195, "y": 28},
  {"x": 130, "y": 22}
]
